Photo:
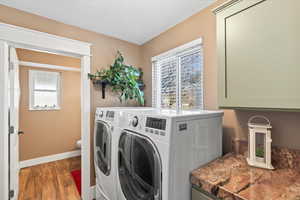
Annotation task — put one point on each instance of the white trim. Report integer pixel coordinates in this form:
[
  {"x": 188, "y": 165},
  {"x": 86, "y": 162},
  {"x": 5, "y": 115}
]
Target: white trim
[
  {"x": 178, "y": 85},
  {"x": 93, "y": 192},
  {"x": 47, "y": 66},
  {"x": 224, "y": 5},
  {"x": 155, "y": 85},
  {"x": 177, "y": 50},
  {"x": 202, "y": 76},
  {"x": 43, "y": 41},
  {"x": 85, "y": 127},
  {"x": 42, "y": 50},
  {"x": 30, "y": 39},
  {"x": 4, "y": 147},
  {"x": 45, "y": 109},
  {"x": 51, "y": 158}
]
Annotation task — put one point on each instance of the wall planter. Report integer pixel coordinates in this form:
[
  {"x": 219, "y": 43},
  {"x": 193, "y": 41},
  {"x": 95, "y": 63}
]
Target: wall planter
[
  {"x": 124, "y": 80},
  {"x": 103, "y": 84}
]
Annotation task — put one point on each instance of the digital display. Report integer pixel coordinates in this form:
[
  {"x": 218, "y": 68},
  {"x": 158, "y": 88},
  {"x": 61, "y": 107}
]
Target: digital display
[
  {"x": 156, "y": 123},
  {"x": 110, "y": 114}
]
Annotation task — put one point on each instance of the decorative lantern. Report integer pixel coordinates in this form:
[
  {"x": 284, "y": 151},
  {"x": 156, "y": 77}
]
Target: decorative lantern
[{"x": 259, "y": 143}]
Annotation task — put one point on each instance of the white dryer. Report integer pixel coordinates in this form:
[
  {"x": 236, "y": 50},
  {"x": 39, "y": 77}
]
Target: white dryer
[
  {"x": 159, "y": 149},
  {"x": 105, "y": 150}
]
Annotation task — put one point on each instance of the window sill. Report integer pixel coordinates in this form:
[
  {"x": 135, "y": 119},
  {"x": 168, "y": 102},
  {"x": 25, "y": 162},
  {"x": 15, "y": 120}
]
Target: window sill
[{"x": 44, "y": 109}]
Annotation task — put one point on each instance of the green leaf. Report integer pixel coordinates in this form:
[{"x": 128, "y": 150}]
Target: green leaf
[{"x": 123, "y": 79}]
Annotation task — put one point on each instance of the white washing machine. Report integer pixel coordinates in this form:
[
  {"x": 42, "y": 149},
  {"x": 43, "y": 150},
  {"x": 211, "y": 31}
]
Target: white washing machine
[
  {"x": 105, "y": 122},
  {"x": 105, "y": 150},
  {"x": 159, "y": 149}
]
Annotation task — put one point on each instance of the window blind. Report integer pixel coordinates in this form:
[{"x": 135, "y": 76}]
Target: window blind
[
  {"x": 177, "y": 78},
  {"x": 154, "y": 84},
  {"x": 44, "y": 90},
  {"x": 192, "y": 81}
]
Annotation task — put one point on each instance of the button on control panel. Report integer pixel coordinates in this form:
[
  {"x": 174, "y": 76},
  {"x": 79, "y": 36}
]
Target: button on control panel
[
  {"x": 156, "y": 132},
  {"x": 110, "y": 114}
]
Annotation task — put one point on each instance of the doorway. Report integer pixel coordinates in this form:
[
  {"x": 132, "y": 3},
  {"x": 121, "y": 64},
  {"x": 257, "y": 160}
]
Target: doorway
[
  {"x": 17, "y": 37},
  {"x": 49, "y": 125}
]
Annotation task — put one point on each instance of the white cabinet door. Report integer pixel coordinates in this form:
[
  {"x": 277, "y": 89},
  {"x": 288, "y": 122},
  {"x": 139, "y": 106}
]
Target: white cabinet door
[{"x": 258, "y": 55}]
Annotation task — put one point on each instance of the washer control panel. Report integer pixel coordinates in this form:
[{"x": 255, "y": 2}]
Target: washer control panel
[
  {"x": 156, "y": 126},
  {"x": 109, "y": 115},
  {"x": 151, "y": 125},
  {"x": 156, "y": 123}
]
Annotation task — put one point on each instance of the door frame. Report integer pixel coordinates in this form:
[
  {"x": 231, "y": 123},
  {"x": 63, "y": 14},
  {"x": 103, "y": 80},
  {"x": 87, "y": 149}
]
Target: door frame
[{"x": 19, "y": 37}]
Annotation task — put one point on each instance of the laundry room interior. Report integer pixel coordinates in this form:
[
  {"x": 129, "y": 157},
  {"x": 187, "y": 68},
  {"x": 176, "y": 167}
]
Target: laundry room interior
[{"x": 149, "y": 100}]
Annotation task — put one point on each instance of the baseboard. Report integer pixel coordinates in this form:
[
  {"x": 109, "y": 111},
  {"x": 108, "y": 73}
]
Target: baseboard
[
  {"x": 51, "y": 158},
  {"x": 93, "y": 192}
]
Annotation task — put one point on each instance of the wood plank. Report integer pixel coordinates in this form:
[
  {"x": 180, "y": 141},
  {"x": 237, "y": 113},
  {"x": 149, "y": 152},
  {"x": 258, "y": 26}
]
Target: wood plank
[{"x": 50, "y": 181}]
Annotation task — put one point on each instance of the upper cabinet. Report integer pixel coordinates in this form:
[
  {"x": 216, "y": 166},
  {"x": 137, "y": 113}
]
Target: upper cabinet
[{"x": 259, "y": 54}]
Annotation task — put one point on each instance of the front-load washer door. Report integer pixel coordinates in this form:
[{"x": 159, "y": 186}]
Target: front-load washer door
[
  {"x": 139, "y": 167},
  {"x": 102, "y": 144}
]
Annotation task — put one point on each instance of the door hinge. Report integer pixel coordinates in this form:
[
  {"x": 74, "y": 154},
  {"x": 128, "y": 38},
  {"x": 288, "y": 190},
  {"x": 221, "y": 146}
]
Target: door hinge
[
  {"x": 11, "y": 193},
  {"x": 11, "y": 130}
]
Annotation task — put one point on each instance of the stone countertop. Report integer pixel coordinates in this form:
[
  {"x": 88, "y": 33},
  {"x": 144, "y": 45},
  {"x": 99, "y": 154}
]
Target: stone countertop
[{"x": 231, "y": 178}]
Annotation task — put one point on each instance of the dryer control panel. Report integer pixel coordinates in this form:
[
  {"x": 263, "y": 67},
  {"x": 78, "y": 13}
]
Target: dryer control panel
[
  {"x": 105, "y": 115},
  {"x": 156, "y": 126},
  {"x": 156, "y": 123}
]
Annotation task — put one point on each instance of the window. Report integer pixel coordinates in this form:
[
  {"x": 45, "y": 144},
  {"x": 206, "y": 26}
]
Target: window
[
  {"x": 177, "y": 78},
  {"x": 44, "y": 90}
]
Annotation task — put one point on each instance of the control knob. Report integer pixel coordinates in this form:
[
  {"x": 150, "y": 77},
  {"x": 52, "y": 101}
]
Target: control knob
[
  {"x": 135, "y": 121},
  {"x": 101, "y": 113}
]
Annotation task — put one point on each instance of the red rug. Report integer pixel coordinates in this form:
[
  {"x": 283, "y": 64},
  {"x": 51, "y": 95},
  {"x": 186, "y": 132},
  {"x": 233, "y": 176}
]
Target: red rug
[{"x": 76, "y": 174}]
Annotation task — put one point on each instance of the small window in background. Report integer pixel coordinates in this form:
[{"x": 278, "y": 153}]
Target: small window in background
[
  {"x": 44, "y": 90},
  {"x": 177, "y": 78}
]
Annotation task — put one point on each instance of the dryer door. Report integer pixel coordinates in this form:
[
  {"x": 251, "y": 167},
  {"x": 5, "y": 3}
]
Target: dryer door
[
  {"x": 139, "y": 167},
  {"x": 102, "y": 144}
]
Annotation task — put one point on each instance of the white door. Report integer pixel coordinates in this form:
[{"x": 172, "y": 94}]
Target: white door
[{"x": 14, "y": 100}]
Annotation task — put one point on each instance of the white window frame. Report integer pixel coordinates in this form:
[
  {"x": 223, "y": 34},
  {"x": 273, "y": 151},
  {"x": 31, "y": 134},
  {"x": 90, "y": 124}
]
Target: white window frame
[
  {"x": 156, "y": 76},
  {"x": 32, "y": 76}
]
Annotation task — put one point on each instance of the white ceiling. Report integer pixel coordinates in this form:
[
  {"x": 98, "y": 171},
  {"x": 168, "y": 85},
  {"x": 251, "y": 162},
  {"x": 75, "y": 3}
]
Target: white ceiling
[{"x": 135, "y": 21}]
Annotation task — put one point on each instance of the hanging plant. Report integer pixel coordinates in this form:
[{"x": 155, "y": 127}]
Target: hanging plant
[{"x": 126, "y": 80}]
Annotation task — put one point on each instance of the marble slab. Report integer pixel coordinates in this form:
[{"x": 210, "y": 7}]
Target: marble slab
[{"x": 231, "y": 178}]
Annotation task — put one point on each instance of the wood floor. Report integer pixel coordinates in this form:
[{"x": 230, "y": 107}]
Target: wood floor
[{"x": 50, "y": 181}]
